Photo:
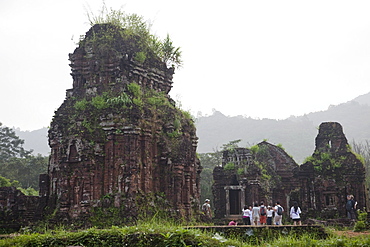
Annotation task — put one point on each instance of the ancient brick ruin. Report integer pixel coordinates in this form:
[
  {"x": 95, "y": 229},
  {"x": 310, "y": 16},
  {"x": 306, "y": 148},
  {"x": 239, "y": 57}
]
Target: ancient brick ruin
[
  {"x": 267, "y": 173},
  {"x": 332, "y": 172},
  {"x": 118, "y": 140},
  {"x": 17, "y": 209},
  {"x": 147, "y": 146}
]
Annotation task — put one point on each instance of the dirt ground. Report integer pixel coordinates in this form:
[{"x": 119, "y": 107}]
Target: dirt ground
[{"x": 352, "y": 233}]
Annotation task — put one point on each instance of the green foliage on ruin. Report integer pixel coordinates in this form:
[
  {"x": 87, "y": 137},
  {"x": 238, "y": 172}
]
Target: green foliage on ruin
[
  {"x": 131, "y": 27},
  {"x": 240, "y": 171},
  {"x": 138, "y": 105},
  {"x": 135, "y": 90},
  {"x": 229, "y": 166},
  {"x": 120, "y": 101},
  {"x": 324, "y": 162},
  {"x": 6, "y": 182},
  {"x": 262, "y": 161},
  {"x": 102, "y": 102},
  {"x": 254, "y": 149}
]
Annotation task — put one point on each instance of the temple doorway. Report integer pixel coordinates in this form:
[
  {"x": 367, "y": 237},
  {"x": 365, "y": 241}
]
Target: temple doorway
[
  {"x": 234, "y": 197},
  {"x": 235, "y": 200}
]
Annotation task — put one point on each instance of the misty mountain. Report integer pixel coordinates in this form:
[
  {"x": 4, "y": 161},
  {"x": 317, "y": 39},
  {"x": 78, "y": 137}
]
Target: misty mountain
[
  {"x": 296, "y": 134},
  {"x": 36, "y": 140}
]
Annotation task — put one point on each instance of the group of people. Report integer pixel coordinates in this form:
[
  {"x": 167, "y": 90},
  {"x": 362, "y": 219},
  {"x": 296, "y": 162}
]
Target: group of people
[
  {"x": 273, "y": 215},
  {"x": 268, "y": 215}
]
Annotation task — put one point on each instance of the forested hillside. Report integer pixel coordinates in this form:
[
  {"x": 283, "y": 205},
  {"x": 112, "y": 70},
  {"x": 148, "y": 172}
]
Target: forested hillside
[{"x": 296, "y": 134}]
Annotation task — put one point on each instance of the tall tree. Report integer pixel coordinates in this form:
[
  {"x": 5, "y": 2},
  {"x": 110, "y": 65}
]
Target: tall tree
[
  {"x": 208, "y": 161},
  {"x": 25, "y": 170},
  {"x": 11, "y": 145},
  {"x": 17, "y": 166},
  {"x": 363, "y": 149}
]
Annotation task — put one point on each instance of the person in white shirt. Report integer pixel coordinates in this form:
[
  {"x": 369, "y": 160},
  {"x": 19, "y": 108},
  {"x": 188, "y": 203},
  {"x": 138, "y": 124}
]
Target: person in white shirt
[
  {"x": 256, "y": 214},
  {"x": 206, "y": 208},
  {"x": 247, "y": 215},
  {"x": 269, "y": 215},
  {"x": 295, "y": 212}
]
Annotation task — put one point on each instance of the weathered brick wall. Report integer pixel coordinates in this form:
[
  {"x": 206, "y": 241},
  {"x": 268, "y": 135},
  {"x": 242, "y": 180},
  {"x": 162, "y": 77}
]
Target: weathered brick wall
[
  {"x": 266, "y": 175},
  {"x": 332, "y": 174},
  {"x": 17, "y": 209}
]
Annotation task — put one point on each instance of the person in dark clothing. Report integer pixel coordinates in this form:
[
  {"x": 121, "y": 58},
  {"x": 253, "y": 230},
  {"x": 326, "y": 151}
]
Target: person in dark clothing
[{"x": 351, "y": 207}]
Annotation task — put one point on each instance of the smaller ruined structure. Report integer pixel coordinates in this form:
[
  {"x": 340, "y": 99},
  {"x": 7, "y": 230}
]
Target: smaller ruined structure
[
  {"x": 267, "y": 173},
  {"x": 332, "y": 172},
  {"x": 263, "y": 173}
]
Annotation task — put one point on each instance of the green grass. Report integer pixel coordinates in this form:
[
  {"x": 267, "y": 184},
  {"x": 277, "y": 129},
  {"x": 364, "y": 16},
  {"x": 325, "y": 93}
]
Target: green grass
[{"x": 166, "y": 233}]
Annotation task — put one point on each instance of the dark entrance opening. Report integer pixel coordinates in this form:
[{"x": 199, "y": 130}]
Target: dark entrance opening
[{"x": 234, "y": 198}]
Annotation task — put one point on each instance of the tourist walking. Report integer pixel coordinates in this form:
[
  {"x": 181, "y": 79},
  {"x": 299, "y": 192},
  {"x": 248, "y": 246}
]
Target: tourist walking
[
  {"x": 295, "y": 212},
  {"x": 256, "y": 214},
  {"x": 206, "y": 209},
  {"x": 247, "y": 213},
  {"x": 270, "y": 215},
  {"x": 263, "y": 212},
  {"x": 278, "y": 214}
]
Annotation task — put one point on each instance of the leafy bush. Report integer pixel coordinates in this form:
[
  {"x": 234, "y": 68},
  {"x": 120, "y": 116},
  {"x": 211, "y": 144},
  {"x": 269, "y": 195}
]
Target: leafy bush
[
  {"x": 99, "y": 102},
  {"x": 361, "y": 223},
  {"x": 135, "y": 90},
  {"x": 229, "y": 166},
  {"x": 5, "y": 182},
  {"x": 81, "y": 105},
  {"x": 140, "y": 57},
  {"x": 240, "y": 171},
  {"x": 121, "y": 100},
  {"x": 254, "y": 149}
]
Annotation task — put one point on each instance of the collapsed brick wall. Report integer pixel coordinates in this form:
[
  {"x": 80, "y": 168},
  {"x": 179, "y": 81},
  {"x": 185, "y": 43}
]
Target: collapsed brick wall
[{"x": 17, "y": 209}]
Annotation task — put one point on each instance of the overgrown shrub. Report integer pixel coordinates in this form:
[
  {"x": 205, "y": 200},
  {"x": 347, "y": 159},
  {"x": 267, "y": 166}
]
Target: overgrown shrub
[{"x": 361, "y": 224}]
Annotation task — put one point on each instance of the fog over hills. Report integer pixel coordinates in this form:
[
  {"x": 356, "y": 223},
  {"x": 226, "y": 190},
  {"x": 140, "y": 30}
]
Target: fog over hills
[
  {"x": 36, "y": 140},
  {"x": 296, "y": 134}
]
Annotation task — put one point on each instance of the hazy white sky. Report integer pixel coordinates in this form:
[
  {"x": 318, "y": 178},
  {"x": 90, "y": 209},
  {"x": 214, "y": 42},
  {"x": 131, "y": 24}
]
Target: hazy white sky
[{"x": 262, "y": 59}]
